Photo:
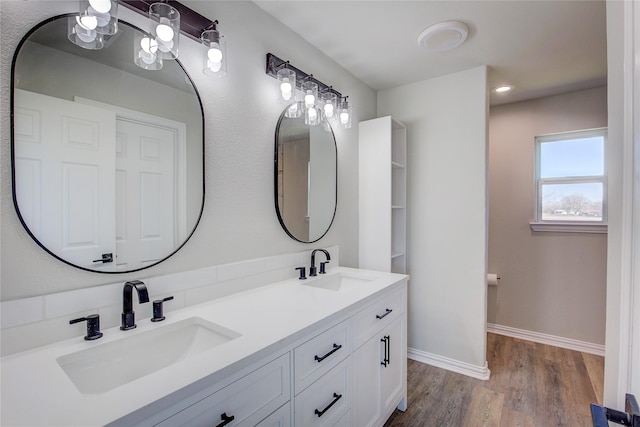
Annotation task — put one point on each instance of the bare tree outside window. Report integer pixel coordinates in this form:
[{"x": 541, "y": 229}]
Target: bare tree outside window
[{"x": 570, "y": 177}]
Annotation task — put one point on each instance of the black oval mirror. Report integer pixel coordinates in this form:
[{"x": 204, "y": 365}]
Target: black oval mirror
[
  {"x": 306, "y": 167},
  {"x": 108, "y": 158}
]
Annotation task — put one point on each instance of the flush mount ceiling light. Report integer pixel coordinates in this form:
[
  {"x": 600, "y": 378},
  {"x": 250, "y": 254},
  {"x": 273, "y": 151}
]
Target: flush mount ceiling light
[
  {"x": 503, "y": 89},
  {"x": 443, "y": 36}
]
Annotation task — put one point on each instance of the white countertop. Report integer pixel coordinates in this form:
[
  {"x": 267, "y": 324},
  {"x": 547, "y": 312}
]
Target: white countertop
[{"x": 36, "y": 391}]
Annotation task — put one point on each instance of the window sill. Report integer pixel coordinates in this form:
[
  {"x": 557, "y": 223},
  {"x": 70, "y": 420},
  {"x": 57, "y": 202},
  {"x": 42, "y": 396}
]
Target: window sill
[{"x": 568, "y": 227}]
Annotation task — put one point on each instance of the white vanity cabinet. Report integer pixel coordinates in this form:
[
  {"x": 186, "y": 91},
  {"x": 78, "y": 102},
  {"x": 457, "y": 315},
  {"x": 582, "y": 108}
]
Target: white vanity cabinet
[
  {"x": 245, "y": 402},
  {"x": 380, "y": 360},
  {"x": 316, "y": 362},
  {"x": 353, "y": 373}
]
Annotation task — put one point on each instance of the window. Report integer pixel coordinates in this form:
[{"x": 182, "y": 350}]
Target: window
[{"x": 571, "y": 182}]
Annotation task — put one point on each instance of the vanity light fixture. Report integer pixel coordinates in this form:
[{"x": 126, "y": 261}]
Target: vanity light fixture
[
  {"x": 165, "y": 28},
  {"x": 105, "y": 13},
  {"x": 84, "y": 34},
  {"x": 310, "y": 93},
  {"x": 310, "y": 97},
  {"x": 145, "y": 52},
  {"x": 294, "y": 110},
  {"x": 287, "y": 79},
  {"x": 215, "y": 57},
  {"x": 168, "y": 20},
  {"x": 345, "y": 113},
  {"x": 95, "y": 19},
  {"x": 319, "y": 102},
  {"x": 330, "y": 107}
]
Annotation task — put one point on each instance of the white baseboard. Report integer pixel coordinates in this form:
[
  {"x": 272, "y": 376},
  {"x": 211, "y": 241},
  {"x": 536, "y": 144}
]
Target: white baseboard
[
  {"x": 479, "y": 372},
  {"x": 568, "y": 343}
]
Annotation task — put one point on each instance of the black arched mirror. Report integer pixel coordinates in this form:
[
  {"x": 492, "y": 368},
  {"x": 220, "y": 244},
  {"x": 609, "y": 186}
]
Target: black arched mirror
[
  {"x": 108, "y": 157},
  {"x": 306, "y": 162}
]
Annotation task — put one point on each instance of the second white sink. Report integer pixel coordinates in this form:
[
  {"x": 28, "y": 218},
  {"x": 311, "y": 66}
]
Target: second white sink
[
  {"x": 338, "y": 282},
  {"x": 107, "y": 366}
]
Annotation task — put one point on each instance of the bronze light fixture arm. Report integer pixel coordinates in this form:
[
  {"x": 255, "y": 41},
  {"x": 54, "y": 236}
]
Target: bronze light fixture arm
[{"x": 274, "y": 64}]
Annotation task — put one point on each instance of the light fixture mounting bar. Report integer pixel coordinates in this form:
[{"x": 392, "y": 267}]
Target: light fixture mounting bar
[
  {"x": 274, "y": 64},
  {"x": 192, "y": 24}
]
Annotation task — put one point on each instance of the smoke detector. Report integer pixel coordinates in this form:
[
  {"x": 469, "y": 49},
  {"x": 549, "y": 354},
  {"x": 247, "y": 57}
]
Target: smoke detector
[{"x": 443, "y": 36}]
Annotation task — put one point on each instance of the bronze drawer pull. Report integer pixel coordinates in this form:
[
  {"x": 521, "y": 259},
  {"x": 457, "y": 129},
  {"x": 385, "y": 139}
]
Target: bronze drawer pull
[
  {"x": 336, "y": 397},
  {"x": 336, "y": 347}
]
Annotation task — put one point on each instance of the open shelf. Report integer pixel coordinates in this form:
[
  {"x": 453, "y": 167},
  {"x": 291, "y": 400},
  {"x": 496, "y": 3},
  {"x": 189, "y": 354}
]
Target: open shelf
[{"x": 383, "y": 200}]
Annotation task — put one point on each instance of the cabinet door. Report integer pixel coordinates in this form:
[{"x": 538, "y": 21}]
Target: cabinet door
[
  {"x": 367, "y": 382},
  {"x": 393, "y": 375}
]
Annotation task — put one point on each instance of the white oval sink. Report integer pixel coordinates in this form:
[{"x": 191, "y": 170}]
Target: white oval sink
[
  {"x": 107, "y": 366},
  {"x": 338, "y": 282}
]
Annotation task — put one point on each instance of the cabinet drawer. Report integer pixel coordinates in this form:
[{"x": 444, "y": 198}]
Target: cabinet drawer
[
  {"x": 280, "y": 418},
  {"x": 378, "y": 315},
  {"x": 315, "y": 357},
  {"x": 249, "y": 400},
  {"x": 327, "y": 400}
]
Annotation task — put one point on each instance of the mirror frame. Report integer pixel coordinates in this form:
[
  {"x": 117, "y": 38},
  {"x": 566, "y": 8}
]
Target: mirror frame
[
  {"x": 13, "y": 165},
  {"x": 275, "y": 183}
]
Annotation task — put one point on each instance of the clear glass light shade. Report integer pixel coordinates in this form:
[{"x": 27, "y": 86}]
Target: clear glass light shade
[
  {"x": 145, "y": 52},
  {"x": 81, "y": 31},
  {"x": 165, "y": 28},
  {"x": 294, "y": 110},
  {"x": 312, "y": 116},
  {"x": 287, "y": 80},
  {"x": 309, "y": 93},
  {"x": 330, "y": 106},
  {"x": 215, "y": 53},
  {"x": 345, "y": 114},
  {"x": 100, "y": 15},
  {"x": 326, "y": 125}
]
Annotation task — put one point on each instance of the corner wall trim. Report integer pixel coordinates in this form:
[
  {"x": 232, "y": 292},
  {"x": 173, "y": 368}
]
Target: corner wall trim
[
  {"x": 568, "y": 343},
  {"x": 478, "y": 372}
]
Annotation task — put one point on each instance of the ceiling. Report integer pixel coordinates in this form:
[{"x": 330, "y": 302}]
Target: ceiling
[{"x": 541, "y": 47}]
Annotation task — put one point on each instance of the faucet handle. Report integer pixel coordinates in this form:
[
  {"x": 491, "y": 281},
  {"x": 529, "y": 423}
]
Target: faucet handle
[
  {"x": 302, "y": 273},
  {"x": 322, "y": 267},
  {"x": 158, "y": 315},
  {"x": 93, "y": 326}
]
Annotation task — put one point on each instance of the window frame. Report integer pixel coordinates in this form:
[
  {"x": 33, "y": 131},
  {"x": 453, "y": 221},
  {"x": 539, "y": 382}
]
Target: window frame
[{"x": 538, "y": 224}]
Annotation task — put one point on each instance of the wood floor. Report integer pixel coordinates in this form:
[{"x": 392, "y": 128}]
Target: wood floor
[{"x": 531, "y": 385}]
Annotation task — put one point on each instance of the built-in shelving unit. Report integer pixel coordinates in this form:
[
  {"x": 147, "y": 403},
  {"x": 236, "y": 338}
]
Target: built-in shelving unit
[{"x": 382, "y": 195}]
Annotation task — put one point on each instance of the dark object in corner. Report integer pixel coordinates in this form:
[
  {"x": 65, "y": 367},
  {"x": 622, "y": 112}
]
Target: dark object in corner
[{"x": 601, "y": 415}]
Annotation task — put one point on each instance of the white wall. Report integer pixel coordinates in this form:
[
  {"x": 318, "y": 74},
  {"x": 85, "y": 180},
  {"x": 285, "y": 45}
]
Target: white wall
[
  {"x": 446, "y": 121},
  {"x": 622, "y": 371},
  {"x": 241, "y": 111},
  {"x": 551, "y": 283}
]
